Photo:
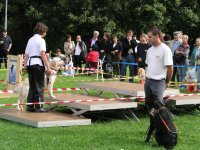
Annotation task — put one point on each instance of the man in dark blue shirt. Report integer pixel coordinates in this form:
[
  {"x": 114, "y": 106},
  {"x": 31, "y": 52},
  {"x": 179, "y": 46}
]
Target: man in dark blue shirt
[{"x": 5, "y": 46}]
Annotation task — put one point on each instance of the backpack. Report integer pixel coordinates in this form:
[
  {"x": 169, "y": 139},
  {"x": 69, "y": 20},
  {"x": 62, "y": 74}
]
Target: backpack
[{"x": 163, "y": 127}]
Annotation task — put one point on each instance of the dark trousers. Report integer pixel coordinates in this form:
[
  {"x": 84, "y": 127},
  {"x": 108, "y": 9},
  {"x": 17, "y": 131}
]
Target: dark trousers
[
  {"x": 154, "y": 90},
  {"x": 36, "y": 83},
  {"x": 3, "y": 57},
  {"x": 77, "y": 61}
]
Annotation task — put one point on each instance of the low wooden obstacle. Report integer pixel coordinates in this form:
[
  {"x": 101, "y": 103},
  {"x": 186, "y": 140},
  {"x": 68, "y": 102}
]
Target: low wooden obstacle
[
  {"x": 91, "y": 103},
  {"x": 120, "y": 88},
  {"x": 41, "y": 120},
  {"x": 183, "y": 100}
]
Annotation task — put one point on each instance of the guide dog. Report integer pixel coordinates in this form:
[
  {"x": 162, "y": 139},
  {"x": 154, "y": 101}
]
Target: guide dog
[
  {"x": 23, "y": 87},
  {"x": 162, "y": 126}
]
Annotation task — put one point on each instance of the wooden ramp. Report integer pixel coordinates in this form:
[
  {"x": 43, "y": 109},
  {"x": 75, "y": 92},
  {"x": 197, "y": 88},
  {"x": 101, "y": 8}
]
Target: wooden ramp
[
  {"x": 41, "y": 120},
  {"x": 183, "y": 100},
  {"x": 123, "y": 88},
  {"x": 91, "y": 106}
]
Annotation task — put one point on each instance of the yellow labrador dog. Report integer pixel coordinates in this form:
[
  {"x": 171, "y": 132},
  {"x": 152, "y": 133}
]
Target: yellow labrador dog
[
  {"x": 141, "y": 74},
  {"x": 23, "y": 87}
]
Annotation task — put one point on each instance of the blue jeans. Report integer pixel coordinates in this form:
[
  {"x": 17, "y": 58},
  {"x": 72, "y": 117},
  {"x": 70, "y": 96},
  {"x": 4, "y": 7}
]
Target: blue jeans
[
  {"x": 182, "y": 71},
  {"x": 128, "y": 59}
]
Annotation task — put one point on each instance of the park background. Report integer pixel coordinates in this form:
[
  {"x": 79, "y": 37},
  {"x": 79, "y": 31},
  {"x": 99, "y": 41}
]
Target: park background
[{"x": 83, "y": 17}]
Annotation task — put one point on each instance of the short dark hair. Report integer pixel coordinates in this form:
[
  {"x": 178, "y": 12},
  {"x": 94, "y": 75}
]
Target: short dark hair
[
  {"x": 167, "y": 37},
  {"x": 114, "y": 36},
  {"x": 107, "y": 35},
  {"x": 156, "y": 31},
  {"x": 40, "y": 28}
]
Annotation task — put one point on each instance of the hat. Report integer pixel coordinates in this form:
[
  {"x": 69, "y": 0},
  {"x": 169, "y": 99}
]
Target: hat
[{"x": 176, "y": 32}]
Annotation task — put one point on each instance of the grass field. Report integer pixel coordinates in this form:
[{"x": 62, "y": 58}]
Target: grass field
[{"x": 111, "y": 134}]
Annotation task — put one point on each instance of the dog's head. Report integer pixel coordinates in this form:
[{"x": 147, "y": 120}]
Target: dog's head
[{"x": 56, "y": 63}]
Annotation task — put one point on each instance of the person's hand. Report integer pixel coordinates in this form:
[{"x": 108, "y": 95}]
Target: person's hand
[
  {"x": 167, "y": 85},
  {"x": 90, "y": 49},
  {"x": 49, "y": 71},
  {"x": 139, "y": 59},
  {"x": 113, "y": 52},
  {"x": 101, "y": 51}
]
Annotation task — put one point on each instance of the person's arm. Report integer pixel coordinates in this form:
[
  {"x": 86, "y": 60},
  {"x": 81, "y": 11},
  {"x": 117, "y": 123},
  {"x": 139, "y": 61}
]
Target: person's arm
[
  {"x": 169, "y": 74},
  {"x": 25, "y": 60},
  {"x": 9, "y": 47},
  {"x": 44, "y": 58}
]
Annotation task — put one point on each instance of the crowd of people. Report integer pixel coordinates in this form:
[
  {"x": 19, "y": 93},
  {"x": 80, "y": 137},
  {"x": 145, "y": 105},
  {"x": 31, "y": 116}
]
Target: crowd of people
[{"x": 121, "y": 52}]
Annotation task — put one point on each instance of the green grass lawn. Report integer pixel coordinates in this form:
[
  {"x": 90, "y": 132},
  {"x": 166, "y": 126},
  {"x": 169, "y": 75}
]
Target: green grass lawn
[{"x": 113, "y": 134}]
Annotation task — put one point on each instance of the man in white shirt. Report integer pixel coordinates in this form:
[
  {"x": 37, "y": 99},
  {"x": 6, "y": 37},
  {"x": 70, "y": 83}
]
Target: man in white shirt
[
  {"x": 158, "y": 73},
  {"x": 159, "y": 68}
]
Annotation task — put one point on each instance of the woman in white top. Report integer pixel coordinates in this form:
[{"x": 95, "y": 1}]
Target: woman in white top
[
  {"x": 35, "y": 61},
  {"x": 69, "y": 47}
]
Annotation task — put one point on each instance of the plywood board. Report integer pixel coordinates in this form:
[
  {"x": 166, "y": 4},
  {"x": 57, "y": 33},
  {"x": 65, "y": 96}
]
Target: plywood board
[
  {"x": 185, "y": 100},
  {"x": 124, "y": 88},
  {"x": 92, "y": 106},
  {"x": 41, "y": 120}
]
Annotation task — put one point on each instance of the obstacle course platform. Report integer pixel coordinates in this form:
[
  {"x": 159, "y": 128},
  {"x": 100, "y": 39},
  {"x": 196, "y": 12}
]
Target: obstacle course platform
[
  {"x": 183, "y": 100},
  {"x": 91, "y": 106},
  {"x": 123, "y": 88},
  {"x": 41, "y": 120}
]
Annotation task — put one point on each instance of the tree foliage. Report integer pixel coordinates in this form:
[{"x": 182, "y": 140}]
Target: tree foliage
[{"x": 84, "y": 16}]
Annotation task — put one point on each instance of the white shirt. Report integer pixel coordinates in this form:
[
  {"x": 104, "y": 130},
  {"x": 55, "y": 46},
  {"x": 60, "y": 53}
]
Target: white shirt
[
  {"x": 157, "y": 60},
  {"x": 93, "y": 42},
  {"x": 77, "y": 49},
  {"x": 35, "y": 46},
  {"x": 114, "y": 44}
]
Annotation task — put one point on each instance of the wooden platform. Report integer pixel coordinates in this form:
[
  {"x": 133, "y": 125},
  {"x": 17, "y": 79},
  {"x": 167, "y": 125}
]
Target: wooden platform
[
  {"x": 41, "y": 120},
  {"x": 91, "y": 106},
  {"x": 183, "y": 100},
  {"x": 123, "y": 88}
]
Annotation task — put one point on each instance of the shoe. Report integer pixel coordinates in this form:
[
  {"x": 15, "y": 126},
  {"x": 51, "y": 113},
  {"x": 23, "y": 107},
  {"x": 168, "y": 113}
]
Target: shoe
[
  {"x": 30, "y": 109},
  {"x": 41, "y": 110}
]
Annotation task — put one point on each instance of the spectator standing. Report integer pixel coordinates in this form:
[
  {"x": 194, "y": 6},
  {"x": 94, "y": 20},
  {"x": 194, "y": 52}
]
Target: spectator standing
[
  {"x": 167, "y": 39},
  {"x": 181, "y": 57},
  {"x": 128, "y": 55},
  {"x": 105, "y": 47},
  {"x": 80, "y": 52},
  {"x": 142, "y": 49},
  {"x": 94, "y": 42},
  {"x": 116, "y": 54},
  {"x": 175, "y": 43},
  {"x": 69, "y": 47},
  {"x": 5, "y": 46},
  {"x": 195, "y": 59}
]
